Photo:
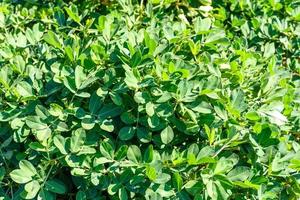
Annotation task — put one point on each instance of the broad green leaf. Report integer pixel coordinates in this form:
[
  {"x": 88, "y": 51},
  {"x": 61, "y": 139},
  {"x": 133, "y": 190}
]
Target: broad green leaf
[
  {"x": 46, "y": 195},
  {"x": 148, "y": 155},
  {"x": 150, "y": 109},
  {"x": 167, "y": 135},
  {"x": 151, "y": 173},
  {"x": 60, "y": 142},
  {"x": 107, "y": 150},
  {"x": 79, "y": 76},
  {"x": 31, "y": 190},
  {"x": 77, "y": 140},
  {"x": 126, "y": 133},
  {"x": 240, "y": 173},
  {"x": 95, "y": 103},
  {"x": 252, "y": 115},
  {"x": 109, "y": 111},
  {"x": 80, "y": 195},
  {"x": 52, "y": 39},
  {"x": 134, "y": 154},
  {"x": 162, "y": 178},
  {"x": 20, "y": 176},
  {"x": 123, "y": 194},
  {"x": 269, "y": 50},
  {"x": 121, "y": 152},
  {"x": 144, "y": 134},
  {"x": 56, "y": 186},
  {"x": 130, "y": 80},
  {"x": 177, "y": 181},
  {"x": 107, "y": 125},
  {"x": 72, "y": 15},
  {"x": 24, "y": 89},
  {"x": 27, "y": 168},
  {"x": 202, "y": 25},
  {"x": 88, "y": 123}
]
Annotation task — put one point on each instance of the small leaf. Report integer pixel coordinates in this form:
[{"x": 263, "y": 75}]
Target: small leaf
[
  {"x": 60, "y": 142},
  {"x": 130, "y": 80},
  {"x": 148, "y": 155},
  {"x": 151, "y": 173},
  {"x": 56, "y": 186},
  {"x": 31, "y": 190},
  {"x": 27, "y": 168},
  {"x": 77, "y": 140},
  {"x": 24, "y": 89},
  {"x": 123, "y": 194},
  {"x": 88, "y": 122},
  {"x": 134, "y": 154},
  {"x": 95, "y": 103},
  {"x": 107, "y": 150},
  {"x": 52, "y": 39},
  {"x": 127, "y": 132},
  {"x": 150, "y": 109},
  {"x": 167, "y": 135},
  {"x": 79, "y": 76},
  {"x": 269, "y": 50},
  {"x": 19, "y": 176},
  {"x": 252, "y": 115},
  {"x": 80, "y": 195},
  {"x": 73, "y": 15},
  {"x": 240, "y": 173},
  {"x": 177, "y": 181}
]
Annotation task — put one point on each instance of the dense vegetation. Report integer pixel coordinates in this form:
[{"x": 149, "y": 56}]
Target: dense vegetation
[{"x": 170, "y": 99}]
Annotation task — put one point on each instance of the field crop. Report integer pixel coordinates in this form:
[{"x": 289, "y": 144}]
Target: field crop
[{"x": 150, "y": 99}]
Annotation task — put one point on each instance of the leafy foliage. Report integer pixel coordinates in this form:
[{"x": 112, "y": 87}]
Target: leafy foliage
[{"x": 127, "y": 99}]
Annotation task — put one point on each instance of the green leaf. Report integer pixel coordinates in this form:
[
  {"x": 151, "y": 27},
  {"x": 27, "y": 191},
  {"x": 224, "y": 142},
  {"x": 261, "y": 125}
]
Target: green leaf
[
  {"x": 51, "y": 38},
  {"x": 107, "y": 125},
  {"x": 215, "y": 37},
  {"x": 151, "y": 173},
  {"x": 162, "y": 178},
  {"x": 177, "y": 181},
  {"x": 150, "y": 109},
  {"x": 121, "y": 153},
  {"x": 202, "y": 25},
  {"x": 72, "y": 15},
  {"x": 27, "y": 168},
  {"x": 127, "y": 132},
  {"x": 109, "y": 111},
  {"x": 123, "y": 194},
  {"x": 269, "y": 50},
  {"x": 60, "y": 142},
  {"x": 56, "y": 186},
  {"x": 46, "y": 195},
  {"x": 167, "y": 135},
  {"x": 19, "y": 176},
  {"x": 79, "y": 76},
  {"x": 131, "y": 81},
  {"x": 210, "y": 134},
  {"x": 134, "y": 154},
  {"x": 80, "y": 195},
  {"x": 77, "y": 140},
  {"x": 24, "y": 89},
  {"x": 69, "y": 53},
  {"x": 31, "y": 190},
  {"x": 70, "y": 84},
  {"x": 107, "y": 150},
  {"x": 88, "y": 122},
  {"x": 240, "y": 173},
  {"x": 144, "y": 134},
  {"x": 252, "y": 115},
  {"x": 148, "y": 155},
  {"x": 95, "y": 103}
]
